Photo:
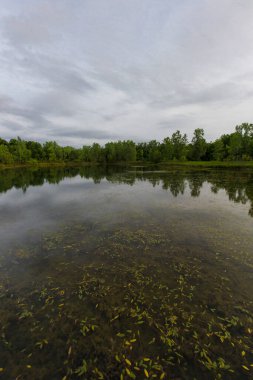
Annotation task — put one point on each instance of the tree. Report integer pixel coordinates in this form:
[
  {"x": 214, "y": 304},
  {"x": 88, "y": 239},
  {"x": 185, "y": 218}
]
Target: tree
[
  {"x": 110, "y": 152},
  {"x": 3, "y": 142},
  {"x": 235, "y": 146},
  {"x": 245, "y": 130},
  {"x": 179, "y": 144},
  {"x": 129, "y": 151},
  {"x": 52, "y": 151},
  {"x": 199, "y": 145},
  {"x": 167, "y": 149},
  {"x": 142, "y": 151},
  {"x": 36, "y": 150},
  {"x": 218, "y": 150},
  {"x": 154, "y": 151},
  {"x": 70, "y": 154},
  {"x": 5, "y": 155},
  {"x": 96, "y": 153},
  {"x": 85, "y": 153},
  {"x": 19, "y": 151}
]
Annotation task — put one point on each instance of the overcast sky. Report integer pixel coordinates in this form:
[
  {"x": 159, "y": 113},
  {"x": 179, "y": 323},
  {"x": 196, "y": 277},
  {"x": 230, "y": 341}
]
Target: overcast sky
[{"x": 78, "y": 71}]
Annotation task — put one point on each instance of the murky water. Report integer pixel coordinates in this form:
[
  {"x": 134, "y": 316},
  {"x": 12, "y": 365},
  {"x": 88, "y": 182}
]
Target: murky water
[{"x": 126, "y": 273}]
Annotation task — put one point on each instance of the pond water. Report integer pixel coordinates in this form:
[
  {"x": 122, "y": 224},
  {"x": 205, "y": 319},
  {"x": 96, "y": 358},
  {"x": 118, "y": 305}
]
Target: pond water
[{"x": 126, "y": 273}]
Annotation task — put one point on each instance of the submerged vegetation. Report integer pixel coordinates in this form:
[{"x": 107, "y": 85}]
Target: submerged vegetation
[
  {"x": 97, "y": 303},
  {"x": 237, "y": 146}
]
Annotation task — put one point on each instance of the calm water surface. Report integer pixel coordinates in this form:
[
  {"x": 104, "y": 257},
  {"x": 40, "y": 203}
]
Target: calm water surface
[{"x": 126, "y": 273}]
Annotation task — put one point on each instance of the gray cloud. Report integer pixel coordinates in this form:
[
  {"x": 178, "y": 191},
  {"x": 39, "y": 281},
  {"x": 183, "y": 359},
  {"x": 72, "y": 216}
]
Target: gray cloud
[
  {"x": 86, "y": 134},
  {"x": 222, "y": 93},
  {"x": 86, "y": 71},
  {"x": 5, "y": 103},
  {"x": 14, "y": 127}
]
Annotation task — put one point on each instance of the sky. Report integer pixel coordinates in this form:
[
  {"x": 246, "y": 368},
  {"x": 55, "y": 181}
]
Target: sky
[{"x": 84, "y": 71}]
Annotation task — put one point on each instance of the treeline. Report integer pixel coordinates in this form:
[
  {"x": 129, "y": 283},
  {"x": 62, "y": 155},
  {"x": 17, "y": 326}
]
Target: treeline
[{"x": 236, "y": 146}]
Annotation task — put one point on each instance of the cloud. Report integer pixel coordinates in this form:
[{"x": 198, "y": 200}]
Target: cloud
[
  {"x": 92, "y": 71},
  {"x": 34, "y": 23},
  {"x": 86, "y": 134}
]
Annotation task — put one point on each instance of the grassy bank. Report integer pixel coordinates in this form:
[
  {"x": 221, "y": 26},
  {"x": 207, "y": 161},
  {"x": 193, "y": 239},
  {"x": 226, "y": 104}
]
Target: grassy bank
[
  {"x": 45, "y": 165},
  {"x": 209, "y": 164},
  {"x": 164, "y": 164}
]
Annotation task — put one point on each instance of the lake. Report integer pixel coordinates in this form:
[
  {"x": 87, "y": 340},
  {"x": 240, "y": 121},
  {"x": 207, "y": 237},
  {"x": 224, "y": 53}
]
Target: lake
[{"x": 126, "y": 273}]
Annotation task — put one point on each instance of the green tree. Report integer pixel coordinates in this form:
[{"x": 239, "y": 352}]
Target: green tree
[
  {"x": 128, "y": 151},
  {"x": 110, "y": 152},
  {"x": 3, "y": 142},
  {"x": 235, "y": 146},
  {"x": 5, "y": 155},
  {"x": 198, "y": 146},
  {"x": 245, "y": 130},
  {"x": 142, "y": 151},
  {"x": 179, "y": 143},
  {"x": 70, "y": 154},
  {"x": 96, "y": 153},
  {"x": 19, "y": 151},
  {"x": 52, "y": 151},
  {"x": 35, "y": 149},
  {"x": 154, "y": 151},
  {"x": 218, "y": 150},
  {"x": 167, "y": 149}
]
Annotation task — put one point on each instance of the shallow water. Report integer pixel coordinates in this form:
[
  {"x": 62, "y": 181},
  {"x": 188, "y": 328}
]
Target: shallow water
[{"x": 126, "y": 272}]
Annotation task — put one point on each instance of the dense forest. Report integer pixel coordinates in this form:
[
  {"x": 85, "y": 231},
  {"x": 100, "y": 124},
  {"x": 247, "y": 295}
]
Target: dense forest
[{"x": 237, "y": 146}]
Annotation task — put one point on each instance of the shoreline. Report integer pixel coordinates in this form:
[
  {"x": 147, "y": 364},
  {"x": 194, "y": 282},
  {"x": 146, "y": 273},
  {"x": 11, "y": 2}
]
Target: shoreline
[{"x": 164, "y": 164}]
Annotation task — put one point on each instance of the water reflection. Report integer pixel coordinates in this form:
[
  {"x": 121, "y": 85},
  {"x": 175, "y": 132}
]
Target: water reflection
[
  {"x": 148, "y": 273},
  {"x": 238, "y": 184}
]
